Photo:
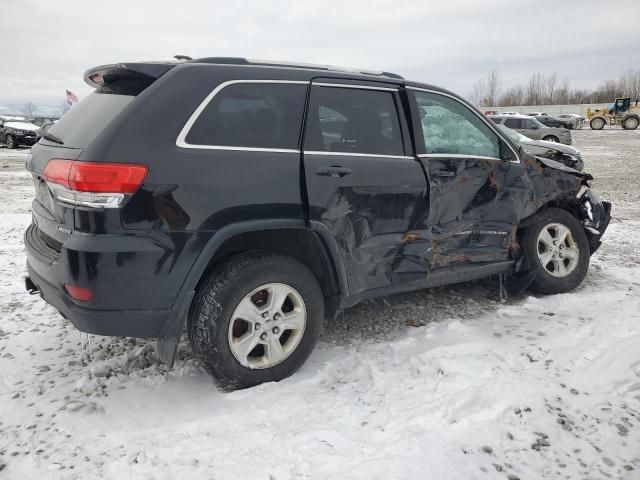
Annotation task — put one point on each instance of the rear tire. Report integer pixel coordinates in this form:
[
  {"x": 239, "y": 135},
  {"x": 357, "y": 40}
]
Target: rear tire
[
  {"x": 630, "y": 123},
  {"x": 256, "y": 319},
  {"x": 557, "y": 247},
  {"x": 9, "y": 141},
  {"x": 597, "y": 123}
]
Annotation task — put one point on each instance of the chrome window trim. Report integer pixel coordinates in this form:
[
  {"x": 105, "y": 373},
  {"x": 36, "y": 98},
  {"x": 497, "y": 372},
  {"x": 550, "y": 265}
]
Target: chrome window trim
[
  {"x": 351, "y": 85},
  {"x": 470, "y": 107},
  {"x": 457, "y": 155},
  {"x": 348, "y": 154},
  {"x": 181, "y": 141}
]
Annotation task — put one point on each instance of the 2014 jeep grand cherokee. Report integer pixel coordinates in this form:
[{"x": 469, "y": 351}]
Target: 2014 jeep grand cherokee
[{"x": 248, "y": 201}]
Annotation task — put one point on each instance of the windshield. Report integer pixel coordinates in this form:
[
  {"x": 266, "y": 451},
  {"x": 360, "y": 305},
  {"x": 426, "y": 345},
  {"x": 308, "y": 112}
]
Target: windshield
[
  {"x": 513, "y": 135},
  {"x": 538, "y": 123}
]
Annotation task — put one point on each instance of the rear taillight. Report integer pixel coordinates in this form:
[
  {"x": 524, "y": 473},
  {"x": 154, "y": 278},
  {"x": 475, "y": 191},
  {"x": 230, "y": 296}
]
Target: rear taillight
[{"x": 93, "y": 184}]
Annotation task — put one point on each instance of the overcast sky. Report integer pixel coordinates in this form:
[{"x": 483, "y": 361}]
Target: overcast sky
[{"x": 47, "y": 45}]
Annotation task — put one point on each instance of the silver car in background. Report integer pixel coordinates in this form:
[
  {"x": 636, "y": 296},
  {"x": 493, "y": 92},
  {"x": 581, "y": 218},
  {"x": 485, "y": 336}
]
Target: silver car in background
[
  {"x": 574, "y": 118},
  {"x": 533, "y": 129},
  {"x": 564, "y": 154}
]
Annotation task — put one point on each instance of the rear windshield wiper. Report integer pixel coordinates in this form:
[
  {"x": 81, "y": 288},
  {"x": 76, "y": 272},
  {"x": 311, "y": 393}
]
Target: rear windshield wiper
[{"x": 51, "y": 137}]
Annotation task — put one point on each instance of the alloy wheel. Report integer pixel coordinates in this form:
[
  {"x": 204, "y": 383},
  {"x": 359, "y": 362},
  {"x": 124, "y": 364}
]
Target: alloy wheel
[
  {"x": 557, "y": 250},
  {"x": 267, "y": 325}
]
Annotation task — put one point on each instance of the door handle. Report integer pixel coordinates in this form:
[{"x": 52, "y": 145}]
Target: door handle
[
  {"x": 444, "y": 173},
  {"x": 334, "y": 171}
]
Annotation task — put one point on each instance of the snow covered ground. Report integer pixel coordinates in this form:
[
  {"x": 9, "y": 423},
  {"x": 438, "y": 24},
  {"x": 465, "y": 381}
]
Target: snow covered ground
[{"x": 447, "y": 383}]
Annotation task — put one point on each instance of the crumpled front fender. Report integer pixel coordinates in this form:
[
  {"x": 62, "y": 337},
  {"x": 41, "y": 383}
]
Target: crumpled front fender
[{"x": 595, "y": 215}]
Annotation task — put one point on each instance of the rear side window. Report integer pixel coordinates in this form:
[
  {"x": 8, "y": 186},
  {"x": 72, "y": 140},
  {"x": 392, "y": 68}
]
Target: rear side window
[
  {"x": 82, "y": 124},
  {"x": 513, "y": 123},
  {"x": 350, "y": 120},
  {"x": 252, "y": 115}
]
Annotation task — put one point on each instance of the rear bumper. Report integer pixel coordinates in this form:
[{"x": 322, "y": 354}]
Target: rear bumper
[
  {"x": 125, "y": 323},
  {"x": 133, "y": 295}
]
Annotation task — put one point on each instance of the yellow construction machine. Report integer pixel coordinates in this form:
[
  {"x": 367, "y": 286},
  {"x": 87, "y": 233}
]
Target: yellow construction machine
[{"x": 621, "y": 112}]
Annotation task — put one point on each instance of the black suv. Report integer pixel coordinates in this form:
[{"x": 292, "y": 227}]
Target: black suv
[
  {"x": 17, "y": 132},
  {"x": 248, "y": 201}
]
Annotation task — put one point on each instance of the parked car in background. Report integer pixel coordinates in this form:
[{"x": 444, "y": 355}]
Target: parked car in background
[
  {"x": 536, "y": 114},
  {"x": 41, "y": 120},
  {"x": 15, "y": 133},
  {"x": 575, "y": 119},
  {"x": 508, "y": 113},
  {"x": 554, "y": 122},
  {"x": 44, "y": 128},
  {"x": 244, "y": 202},
  {"x": 532, "y": 128},
  {"x": 564, "y": 154}
]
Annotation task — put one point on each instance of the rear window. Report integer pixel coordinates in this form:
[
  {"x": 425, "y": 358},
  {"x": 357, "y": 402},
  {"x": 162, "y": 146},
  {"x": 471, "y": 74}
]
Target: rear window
[
  {"x": 252, "y": 115},
  {"x": 82, "y": 124}
]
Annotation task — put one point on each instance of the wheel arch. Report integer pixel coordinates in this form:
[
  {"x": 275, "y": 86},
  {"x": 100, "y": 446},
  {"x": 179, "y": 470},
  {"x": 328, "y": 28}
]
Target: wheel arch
[
  {"x": 300, "y": 243},
  {"x": 312, "y": 247},
  {"x": 572, "y": 208}
]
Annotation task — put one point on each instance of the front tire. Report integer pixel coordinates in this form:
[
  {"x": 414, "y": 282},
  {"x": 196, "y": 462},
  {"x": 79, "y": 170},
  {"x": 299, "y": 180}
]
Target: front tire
[
  {"x": 557, "y": 247},
  {"x": 597, "y": 123},
  {"x": 256, "y": 319},
  {"x": 10, "y": 142},
  {"x": 551, "y": 138}
]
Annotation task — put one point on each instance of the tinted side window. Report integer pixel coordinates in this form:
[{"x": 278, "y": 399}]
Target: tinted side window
[
  {"x": 254, "y": 115},
  {"x": 449, "y": 127},
  {"x": 351, "y": 120},
  {"x": 513, "y": 123},
  {"x": 530, "y": 125}
]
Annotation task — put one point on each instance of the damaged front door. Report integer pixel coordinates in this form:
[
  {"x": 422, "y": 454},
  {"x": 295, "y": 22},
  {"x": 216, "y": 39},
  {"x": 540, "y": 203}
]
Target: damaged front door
[
  {"x": 363, "y": 183},
  {"x": 471, "y": 219}
]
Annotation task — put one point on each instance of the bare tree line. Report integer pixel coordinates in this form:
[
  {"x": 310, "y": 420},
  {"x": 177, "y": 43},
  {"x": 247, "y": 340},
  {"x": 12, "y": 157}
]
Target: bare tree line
[
  {"x": 550, "y": 90},
  {"x": 29, "y": 109}
]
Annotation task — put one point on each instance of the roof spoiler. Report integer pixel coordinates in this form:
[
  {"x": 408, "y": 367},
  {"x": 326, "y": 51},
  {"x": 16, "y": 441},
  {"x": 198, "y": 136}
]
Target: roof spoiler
[{"x": 94, "y": 77}]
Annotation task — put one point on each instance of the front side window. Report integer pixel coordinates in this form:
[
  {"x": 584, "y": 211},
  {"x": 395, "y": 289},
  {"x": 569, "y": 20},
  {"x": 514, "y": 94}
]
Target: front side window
[
  {"x": 449, "y": 127},
  {"x": 253, "y": 115},
  {"x": 531, "y": 125},
  {"x": 351, "y": 120}
]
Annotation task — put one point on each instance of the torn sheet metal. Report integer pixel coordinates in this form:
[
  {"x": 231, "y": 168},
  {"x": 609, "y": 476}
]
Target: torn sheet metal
[{"x": 462, "y": 211}]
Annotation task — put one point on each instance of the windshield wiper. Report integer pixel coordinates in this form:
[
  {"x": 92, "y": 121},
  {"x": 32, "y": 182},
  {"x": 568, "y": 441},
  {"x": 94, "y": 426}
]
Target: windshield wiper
[{"x": 51, "y": 137}]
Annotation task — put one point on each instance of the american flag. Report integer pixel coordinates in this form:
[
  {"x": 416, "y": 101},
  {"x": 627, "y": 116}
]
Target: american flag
[{"x": 71, "y": 97}]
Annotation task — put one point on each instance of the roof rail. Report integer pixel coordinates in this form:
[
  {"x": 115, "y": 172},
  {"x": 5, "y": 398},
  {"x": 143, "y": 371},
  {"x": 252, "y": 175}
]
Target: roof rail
[{"x": 311, "y": 66}]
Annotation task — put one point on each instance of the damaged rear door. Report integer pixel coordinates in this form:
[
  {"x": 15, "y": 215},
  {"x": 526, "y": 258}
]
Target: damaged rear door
[
  {"x": 472, "y": 214},
  {"x": 363, "y": 183}
]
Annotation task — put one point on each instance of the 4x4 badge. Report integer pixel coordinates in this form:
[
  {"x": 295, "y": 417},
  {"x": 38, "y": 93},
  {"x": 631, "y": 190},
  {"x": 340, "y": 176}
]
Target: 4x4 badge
[{"x": 60, "y": 228}]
